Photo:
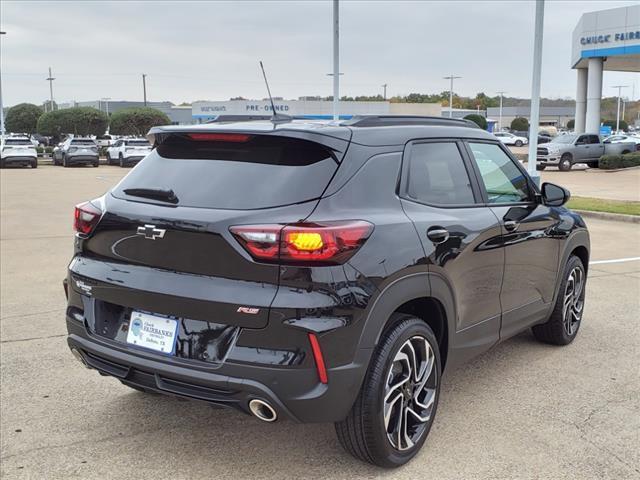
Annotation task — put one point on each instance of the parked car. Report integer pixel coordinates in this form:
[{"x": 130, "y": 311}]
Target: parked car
[
  {"x": 128, "y": 152},
  {"x": 321, "y": 272},
  {"x": 18, "y": 150},
  {"x": 566, "y": 150},
  {"x": 104, "y": 141},
  {"x": 622, "y": 139},
  {"x": 76, "y": 151},
  {"x": 511, "y": 139}
]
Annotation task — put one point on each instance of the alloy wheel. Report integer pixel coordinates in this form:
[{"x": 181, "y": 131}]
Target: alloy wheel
[
  {"x": 410, "y": 392},
  {"x": 573, "y": 301}
]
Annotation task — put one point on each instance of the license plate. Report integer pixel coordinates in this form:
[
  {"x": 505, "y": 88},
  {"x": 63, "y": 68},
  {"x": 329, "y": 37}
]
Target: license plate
[{"x": 152, "y": 332}]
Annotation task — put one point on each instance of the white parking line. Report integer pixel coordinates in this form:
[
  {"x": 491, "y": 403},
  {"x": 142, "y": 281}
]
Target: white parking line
[{"x": 616, "y": 260}]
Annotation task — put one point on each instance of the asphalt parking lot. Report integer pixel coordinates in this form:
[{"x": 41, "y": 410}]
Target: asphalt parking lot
[{"x": 523, "y": 410}]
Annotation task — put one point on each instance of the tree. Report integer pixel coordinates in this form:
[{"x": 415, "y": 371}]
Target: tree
[
  {"x": 83, "y": 121},
  {"x": 136, "y": 121},
  {"x": 571, "y": 124},
  {"x": 22, "y": 118},
  {"x": 478, "y": 120},
  {"x": 612, "y": 123},
  {"x": 520, "y": 124}
]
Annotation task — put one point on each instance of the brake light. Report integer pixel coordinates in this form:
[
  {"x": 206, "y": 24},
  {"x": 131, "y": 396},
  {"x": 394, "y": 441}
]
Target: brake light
[
  {"x": 219, "y": 137},
  {"x": 86, "y": 217},
  {"x": 328, "y": 243}
]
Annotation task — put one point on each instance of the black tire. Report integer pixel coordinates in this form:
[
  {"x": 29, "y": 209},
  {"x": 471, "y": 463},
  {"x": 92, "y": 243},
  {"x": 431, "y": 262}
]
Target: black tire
[
  {"x": 64, "y": 162},
  {"x": 96, "y": 164},
  {"x": 518, "y": 143},
  {"x": 109, "y": 161},
  {"x": 2, "y": 164},
  {"x": 34, "y": 163},
  {"x": 624, "y": 152},
  {"x": 540, "y": 167},
  {"x": 555, "y": 330},
  {"x": 565, "y": 163},
  {"x": 121, "y": 161},
  {"x": 363, "y": 433},
  {"x": 594, "y": 164}
]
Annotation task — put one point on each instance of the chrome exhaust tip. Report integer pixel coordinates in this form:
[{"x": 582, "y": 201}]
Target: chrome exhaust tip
[
  {"x": 79, "y": 357},
  {"x": 262, "y": 410}
]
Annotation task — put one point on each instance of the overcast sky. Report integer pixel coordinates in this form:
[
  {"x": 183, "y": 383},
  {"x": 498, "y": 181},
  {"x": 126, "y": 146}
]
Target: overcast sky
[{"x": 210, "y": 50}]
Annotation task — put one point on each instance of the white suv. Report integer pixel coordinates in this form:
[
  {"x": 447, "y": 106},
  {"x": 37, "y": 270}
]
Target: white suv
[
  {"x": 511, "y": 139},
  {"x": 128, "y": 151},
  {"x": 18, "y": 151}
]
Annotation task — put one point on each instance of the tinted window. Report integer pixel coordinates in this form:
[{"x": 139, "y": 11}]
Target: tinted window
[
  {"x": 138, "y": 143},
  {"x": 503, "y": 180},
  {"x": 583, "y": 139},
  {"x": 594, "y": 139},
  {"x": 17, "y": 141},
  {"x": 83, "y": 142},
  {"x": 253, "y": 171},
  {"x": 437, "y": 175}
]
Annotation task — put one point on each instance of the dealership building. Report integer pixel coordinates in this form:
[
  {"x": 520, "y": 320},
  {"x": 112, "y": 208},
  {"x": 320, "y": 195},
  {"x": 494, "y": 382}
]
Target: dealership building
[
  {"x": 308, "y": 108},
  {"x": 607, "y": 40}
]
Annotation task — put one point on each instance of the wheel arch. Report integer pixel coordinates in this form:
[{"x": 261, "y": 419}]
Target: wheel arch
[{"x": 415, "y": 294}]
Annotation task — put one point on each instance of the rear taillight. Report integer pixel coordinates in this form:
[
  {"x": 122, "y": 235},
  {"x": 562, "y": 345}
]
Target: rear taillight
[
  {"x": 220, "y": 137},
  {"x": 86, "y": 217},
  {"x": 324, "y": 243}
]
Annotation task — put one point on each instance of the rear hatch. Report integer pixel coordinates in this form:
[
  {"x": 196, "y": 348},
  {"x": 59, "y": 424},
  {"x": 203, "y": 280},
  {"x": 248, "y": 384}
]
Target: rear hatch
[
  {"x": 137, "y": 147},
  {"x": 18, "y": 147},
  {"x": 173, "y": 254}
]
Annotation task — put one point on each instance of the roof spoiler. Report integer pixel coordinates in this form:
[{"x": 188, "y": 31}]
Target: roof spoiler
[{"x": 391, "y": 120}]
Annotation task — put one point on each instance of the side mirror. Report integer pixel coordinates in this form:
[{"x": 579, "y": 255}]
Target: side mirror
[
  {"x": 607, "y": 141},
  {"x": 554, "y": 195}
]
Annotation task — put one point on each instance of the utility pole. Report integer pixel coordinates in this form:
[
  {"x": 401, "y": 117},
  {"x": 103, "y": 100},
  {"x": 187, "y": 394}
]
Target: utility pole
[
  {"x": 384, "y": 96},
  {"x": 144, "y": 88},
  {"x": 500, "y": 115},
  {"x": 1, "y": 104},
  {"x": 336, "y": 60},
  {"x": 106, "y": 101},
  {"x": 50, "y": 80},
  {"x": 535, "y": 93},
  {"x": 619, "y": 87},
  {"x": 451, "y": 78}
]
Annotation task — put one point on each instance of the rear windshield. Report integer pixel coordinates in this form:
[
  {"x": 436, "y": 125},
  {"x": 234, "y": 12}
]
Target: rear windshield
[
  {"x": 134, "y": 143},
  {"x": 238, "y": 172},
  {"x": 83, "y": 142},
  {"x": 18, "y": 141}
]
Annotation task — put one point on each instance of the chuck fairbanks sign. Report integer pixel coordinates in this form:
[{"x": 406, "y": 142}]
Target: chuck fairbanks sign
[{"x": 616, "y": 37}]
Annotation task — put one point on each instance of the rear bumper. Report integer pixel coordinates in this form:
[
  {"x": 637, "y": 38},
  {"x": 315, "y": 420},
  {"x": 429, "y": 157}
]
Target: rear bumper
[
  {"x": 22, "y": 160},
  {"x": 132, "y": 159},
  {"x": 81, "y": 159},
  {"x": 287, "y": 390}
]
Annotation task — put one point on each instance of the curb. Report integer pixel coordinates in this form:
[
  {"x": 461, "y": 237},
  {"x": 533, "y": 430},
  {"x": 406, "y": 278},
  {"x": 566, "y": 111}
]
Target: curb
[
  {"x": 617, "y": 217},
  {"x": 612, "y": 170}
]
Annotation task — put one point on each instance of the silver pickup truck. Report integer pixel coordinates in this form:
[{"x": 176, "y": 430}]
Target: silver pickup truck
[{"x": 566, "y": 150}]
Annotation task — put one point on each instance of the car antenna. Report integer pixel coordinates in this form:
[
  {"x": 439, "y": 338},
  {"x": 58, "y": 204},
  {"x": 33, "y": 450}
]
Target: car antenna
[{"x": 277, "y": 117}]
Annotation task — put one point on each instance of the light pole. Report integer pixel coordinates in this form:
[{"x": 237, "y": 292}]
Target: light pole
[
  {"x": 336, "y": 59},
  {"x": 619, "y": 87},
  {"x": 144, "y": 88},
  {"x": 384, "y": 96},
  {"x": 500, "y": 115},
  {"x": 1, "y": 104},
  {"x": 535, "y": 93},
  {"x": 50, "y": 80},
  {"x": 106, "y": 101},
  {"x": 451, "y": 78}
]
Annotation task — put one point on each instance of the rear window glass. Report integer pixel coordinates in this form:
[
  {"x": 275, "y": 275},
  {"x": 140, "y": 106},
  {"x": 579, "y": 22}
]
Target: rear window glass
[
  {"x": 248, "y": 172},
  {"x": 17, "y": 141},
  {"x": 134, "y": 143},
  {"x": 82, "y": 142}
]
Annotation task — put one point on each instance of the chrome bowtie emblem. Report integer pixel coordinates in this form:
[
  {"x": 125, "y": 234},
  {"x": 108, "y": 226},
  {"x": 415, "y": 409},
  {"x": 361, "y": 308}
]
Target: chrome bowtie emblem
[{"x": 150, "y": 232}]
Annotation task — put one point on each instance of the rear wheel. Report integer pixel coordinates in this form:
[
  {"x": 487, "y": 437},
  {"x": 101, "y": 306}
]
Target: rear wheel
[
  {"x": 109, "y": 161},
  {"x": 518, "y": 143},
  {"x": 564, "y": 322},
  {"x": 594, "y": 164},
  {"x": 121, "y": 160},
  {"x": 565, "y": 162},
  {"x": 393, "y": 413},
  {"x": 540, "y": 167},
  {"x": 65, "y": 164},
  {"x": 34, "y": 163}
]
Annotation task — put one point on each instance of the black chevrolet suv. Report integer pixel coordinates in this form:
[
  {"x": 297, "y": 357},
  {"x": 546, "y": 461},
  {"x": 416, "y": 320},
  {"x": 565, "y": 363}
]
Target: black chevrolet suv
[{"x": 321, "y": 271}]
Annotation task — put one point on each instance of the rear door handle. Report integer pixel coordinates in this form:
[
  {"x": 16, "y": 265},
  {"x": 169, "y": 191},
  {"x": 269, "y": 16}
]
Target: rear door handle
[
  {"x": 511, "y": 225},
  {"x": 438, "y": 234}
]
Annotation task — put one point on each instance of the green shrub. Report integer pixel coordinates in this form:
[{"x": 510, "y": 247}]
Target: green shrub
[
  {"x": 83, "y": 121},
  {"x": 571, "y": 124},
  {"x": 48, "y": 150},
  {"x": 39, "y": 150},
  {"x": 520, "y": 124},
  {"x": 478, "y": 120},
  {"x": 612, "y": 123},
  {"x": 136, "y": 121},
  {"x": 611, "y": 162},
  {"x": 22, "y": 118}
]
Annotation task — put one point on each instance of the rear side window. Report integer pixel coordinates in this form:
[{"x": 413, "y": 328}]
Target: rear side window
[
  {"x": 82, "y": 142},
  {"x": 234, "y": 171},
  {"x": 137, "y": 143},
  {"x": 17, "y": 141},
  {"x": 437, "y": 175}
]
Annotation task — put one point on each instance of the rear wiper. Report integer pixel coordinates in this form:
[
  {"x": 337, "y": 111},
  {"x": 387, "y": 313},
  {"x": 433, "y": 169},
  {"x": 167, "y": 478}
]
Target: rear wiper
[{"x": 154, "y": 193}]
